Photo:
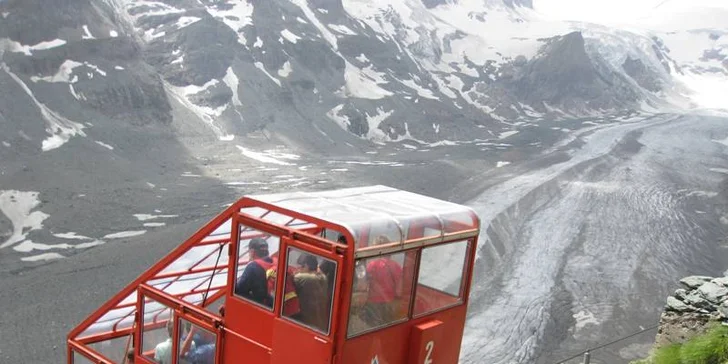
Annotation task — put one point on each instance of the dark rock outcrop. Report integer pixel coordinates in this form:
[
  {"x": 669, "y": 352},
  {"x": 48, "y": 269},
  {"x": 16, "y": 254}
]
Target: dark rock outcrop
[
  {"x": 641, "y": 74},
  {"x": 564, "y": 76}
]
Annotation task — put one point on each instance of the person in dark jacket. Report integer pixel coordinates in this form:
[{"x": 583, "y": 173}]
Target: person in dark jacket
[{"x": 253, "y": 283}]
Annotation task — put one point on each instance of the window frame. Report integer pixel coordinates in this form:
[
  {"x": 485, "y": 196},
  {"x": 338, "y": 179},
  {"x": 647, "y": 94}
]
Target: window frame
[
  {"x": 306, "y": 249},
  {"x": 463, "y": 277},
  {"x": 410, "y": 305},
  {"x": 194, "y": 322},
  {"x": 242, "y": 228}
]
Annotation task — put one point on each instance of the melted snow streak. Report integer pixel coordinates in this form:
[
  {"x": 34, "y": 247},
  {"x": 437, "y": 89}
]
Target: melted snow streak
[
  {"x": 269, "y": 156},
  {"x": 571, "y": 243},
  {"x": 125, "y": 234},
  {"x": 60, "y": 128}
]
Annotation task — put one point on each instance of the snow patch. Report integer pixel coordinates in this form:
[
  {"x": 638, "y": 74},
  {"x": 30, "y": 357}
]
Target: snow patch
[
  {"x": 7, "y": 144},
  {"x": 185, "y": 21},
  {"x": 285, "y": 70},
  {"x": 62, "y": 75},
  {"x": 113, "y": 34},
  {"x": 502, "y": 164},
  {"x": 364, "y": 84},
  {"x": 42, "y": 257},
  {"x": 152, "y": 34},
  {"x": 119, "y": 68},
  {"x": 146, "y": 217},
  {"x": 258, "y": 43},
  {"x": 261, "y": 67},
  {"x": 87, "y": 33},
  {"x": 328, "y": 36},
  {"x": 362, "y": 58},
  {"x": 343, "y": 29},
  {"x": 232, "y": 81},
  {"x": 269, "y": 156},
  {"x": 375, "y": 133},
  {"x": 104, "y": 145},
  {"x": 48, "y": 45},
  {"x": 28, "y": 246},
  {"x": 125, "y": 234},
  {"x": 342, "y": 120},
  {"x": 89, "y": 244},
  {"x": 290, "y": 36},
  {"x": 719, "y": 170},
  {"x": 71, "y": 236},
  {"x": 724, "y": 141},
  {"x": 708, "y": 90},
  {"x": 236, "y": 17},
  {"x": 506, "y": 134},
  {"x": 428, "y": 94},
  {"x": 154, "y": 224},
  {"x": 18, "y": 207}
]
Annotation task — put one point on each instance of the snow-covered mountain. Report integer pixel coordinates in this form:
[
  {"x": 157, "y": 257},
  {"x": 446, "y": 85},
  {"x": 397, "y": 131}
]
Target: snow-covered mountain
[{"x": 422, "y": 70}]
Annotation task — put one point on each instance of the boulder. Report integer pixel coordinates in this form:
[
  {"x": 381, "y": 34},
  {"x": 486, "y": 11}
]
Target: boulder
[
  {"x": 723, "y": 309},
  {"x": 694, "y": 282},
  {"x": 695, "y": 299},
  {"x": 722, "y": 281},
  {"x": 680, "y": 293},
  {"x": 674, "y": 304},
  {"x": 713, "y": 293}
]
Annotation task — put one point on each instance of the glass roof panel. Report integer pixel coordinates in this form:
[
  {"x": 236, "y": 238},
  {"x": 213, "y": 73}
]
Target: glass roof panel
[
  {"x": 374, "y": 211},
  {"x": 223, "y": 231}
]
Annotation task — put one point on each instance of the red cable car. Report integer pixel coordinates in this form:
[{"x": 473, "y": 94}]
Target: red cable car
[{"x": 370, "y": 275}]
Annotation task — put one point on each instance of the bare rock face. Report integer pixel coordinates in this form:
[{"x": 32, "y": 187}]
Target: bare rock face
[
  {"x": 641, "y": 74},
  {"x": 564, "y": 76},
  {"x": 694, "y": 282}
]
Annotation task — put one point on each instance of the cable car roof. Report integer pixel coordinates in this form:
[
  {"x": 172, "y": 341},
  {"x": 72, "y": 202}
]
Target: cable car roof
[{"x": 380, "y": 210}]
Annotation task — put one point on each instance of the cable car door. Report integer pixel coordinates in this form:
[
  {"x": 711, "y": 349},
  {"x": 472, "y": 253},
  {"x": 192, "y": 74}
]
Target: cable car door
[{"x": 304, "y": 330}]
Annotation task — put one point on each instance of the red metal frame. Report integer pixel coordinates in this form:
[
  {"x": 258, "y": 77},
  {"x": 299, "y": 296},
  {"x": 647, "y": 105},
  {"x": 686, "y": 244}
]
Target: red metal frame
[{"x": 300, "y": 232}]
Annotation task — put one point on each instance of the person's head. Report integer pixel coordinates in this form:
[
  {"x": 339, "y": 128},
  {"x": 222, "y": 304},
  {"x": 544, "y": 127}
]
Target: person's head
[
  {"x": 341, "y": 239},
  {"x": 327, "y": 267},
  {"x": 170, "y": 326},
  {"x": 221, "y": 310},
  {"x": 258, "y": 248},
  {"x": 307, "y": 262},
  {"x": 130, "y": 356}
]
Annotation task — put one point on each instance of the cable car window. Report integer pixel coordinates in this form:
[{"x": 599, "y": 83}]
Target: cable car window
[
  {"x": 255, "y": 278},
  {"x": 439, "y": 283},
  {"x": 309, "y": 298},
  {"x": 381, "y": 292},
  {"x": 196, "y": 345},
  {"x": 157, "y": 331}
]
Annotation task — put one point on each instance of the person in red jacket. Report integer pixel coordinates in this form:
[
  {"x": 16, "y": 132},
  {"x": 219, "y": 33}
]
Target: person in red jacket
[{"x": 384, "y": 277}]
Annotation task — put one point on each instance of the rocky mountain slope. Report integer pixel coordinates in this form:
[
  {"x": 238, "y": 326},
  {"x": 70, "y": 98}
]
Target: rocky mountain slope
[
  {"x": 104, "y": 101},
  {"x": 383, "y": 71}
]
